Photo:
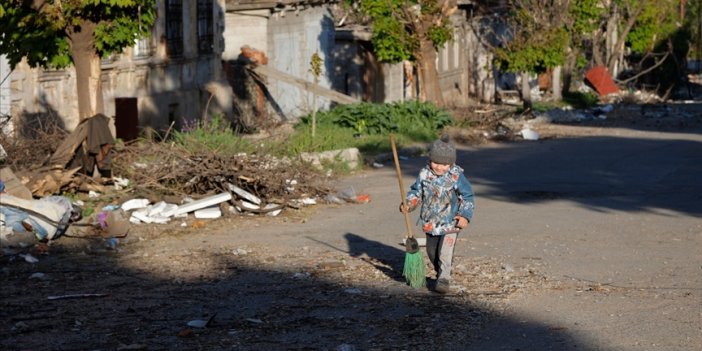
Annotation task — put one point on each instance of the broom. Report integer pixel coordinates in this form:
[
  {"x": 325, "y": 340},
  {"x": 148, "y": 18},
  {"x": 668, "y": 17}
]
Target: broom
[{"x": 414, "y": 269}]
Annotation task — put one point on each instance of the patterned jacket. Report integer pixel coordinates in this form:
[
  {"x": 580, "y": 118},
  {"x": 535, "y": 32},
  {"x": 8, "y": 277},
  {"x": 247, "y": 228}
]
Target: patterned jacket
[{"x": 441, "y": 198}]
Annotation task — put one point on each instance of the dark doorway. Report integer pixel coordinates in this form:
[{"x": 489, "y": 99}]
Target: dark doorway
[{"x": 126, "y": 118}]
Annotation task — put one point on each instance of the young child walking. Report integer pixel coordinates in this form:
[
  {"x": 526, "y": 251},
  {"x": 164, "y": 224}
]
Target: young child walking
[{"x": 446, "y": 199}]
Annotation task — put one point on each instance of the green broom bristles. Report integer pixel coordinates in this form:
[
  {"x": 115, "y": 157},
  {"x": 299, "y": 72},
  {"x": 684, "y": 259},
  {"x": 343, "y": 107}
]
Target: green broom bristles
[{"x": 415, "y": 271}]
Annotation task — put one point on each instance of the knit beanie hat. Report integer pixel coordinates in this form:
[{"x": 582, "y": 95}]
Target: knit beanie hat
[{"x": 442, "y": 151}]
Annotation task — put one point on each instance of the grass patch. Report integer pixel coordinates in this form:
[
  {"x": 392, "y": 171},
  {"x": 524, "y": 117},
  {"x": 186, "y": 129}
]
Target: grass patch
[
  {"x": 212, "y": 136},
  {"x": 581, "y": 100}
]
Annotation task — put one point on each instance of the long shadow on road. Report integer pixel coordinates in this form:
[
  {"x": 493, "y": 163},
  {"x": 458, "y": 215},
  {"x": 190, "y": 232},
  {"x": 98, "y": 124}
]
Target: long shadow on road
[{"x": 257, "y": 304}]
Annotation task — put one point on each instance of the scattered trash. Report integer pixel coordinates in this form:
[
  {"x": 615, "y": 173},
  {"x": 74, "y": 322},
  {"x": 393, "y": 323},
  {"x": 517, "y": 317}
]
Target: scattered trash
[
  {"x": 75, "y": 296},
  {"x": 111, "y": 243},
  {"x": 601, "y": 80},
  {"x": 301, "y": 276},
  {"x": 254, "y": 320},
  {"x": 38, "y": 276},
  {"x": 47, "y": 218},
  {"x": 208, "y": 213},
  {"x": 244, "y": 194},
  {"x": 120, "y": 183},
  {"x": 134, "y": 204},
  {"x": 201, "y": 323},
  {"x": 13, "y": 186},
  {"x": 203, "y": 203},
  {"x": 529, "y": 134}
]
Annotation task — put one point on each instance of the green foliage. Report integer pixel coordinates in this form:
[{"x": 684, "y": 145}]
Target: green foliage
[
  {"x": 42, "y": 36},
  {"x": 538, "y": 39},
  {"x": 367, "y": 125},
  {"x": 213, "y": 136},
  {"x": 25, "y": 34},
  {"x": 585, "y": 17},
  {"x": 656, "y": 22},
  {"x": 581, "y": 100},
  {"x": 396, "y": 35},
  {"x": 403, "y": 117},
  {"x": 316, "y": 65},
  {"x": 533, "y": 53}
]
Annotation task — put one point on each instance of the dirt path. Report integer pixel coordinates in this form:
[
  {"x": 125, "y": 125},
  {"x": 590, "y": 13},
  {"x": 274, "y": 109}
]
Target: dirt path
[{"x": 586, "y": 243}]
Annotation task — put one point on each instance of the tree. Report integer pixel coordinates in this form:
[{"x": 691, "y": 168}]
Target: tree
[
  {"x": 54, "y": 34},
  {"x": 536, "y": 40},
  {"x": 412, "y": 30}
]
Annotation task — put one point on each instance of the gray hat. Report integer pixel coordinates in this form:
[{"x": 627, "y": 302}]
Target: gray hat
[{"x": 442, "y": 151}]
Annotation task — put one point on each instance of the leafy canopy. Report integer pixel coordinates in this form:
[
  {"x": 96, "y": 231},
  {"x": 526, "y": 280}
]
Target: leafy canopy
[
  {"x": 40, "y": 30},
  {"x": 399, "y": 25},
  {"x": 536, "y": 43}
]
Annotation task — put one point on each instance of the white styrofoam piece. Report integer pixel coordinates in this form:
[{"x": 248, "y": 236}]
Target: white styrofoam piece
[
  {"x": 157, "y": 208},
  {"x": 250, "y": 206},
  {"x": 209, "y": 213},
  {"x": 134, "y": 204},
  {"x": 274, "y": 213},
  {"x": 203, "y": 203},
  {"x": 244, "y": 194}
]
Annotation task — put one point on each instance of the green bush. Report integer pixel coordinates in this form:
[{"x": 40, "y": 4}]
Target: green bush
[
  {"x": 419, "y": 120},
  {"x": 581, "y": 100}
]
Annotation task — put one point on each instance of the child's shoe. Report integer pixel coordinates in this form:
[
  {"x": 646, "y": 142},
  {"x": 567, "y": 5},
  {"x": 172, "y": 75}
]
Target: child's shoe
[{"x": 442, "y": 286}]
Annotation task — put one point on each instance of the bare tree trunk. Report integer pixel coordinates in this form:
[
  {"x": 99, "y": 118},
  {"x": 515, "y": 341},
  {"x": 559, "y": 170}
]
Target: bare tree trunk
[
  {"x": 87, "y": 64},
  {"x": 611, "y": 39},
  {"x": 526, "y": 91},
  {"x": 556, "y": 83},
  {"x": 429, "y": 77}
]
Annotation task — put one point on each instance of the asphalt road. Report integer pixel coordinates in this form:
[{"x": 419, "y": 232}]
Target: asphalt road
[{"x": 614, "y": 219}]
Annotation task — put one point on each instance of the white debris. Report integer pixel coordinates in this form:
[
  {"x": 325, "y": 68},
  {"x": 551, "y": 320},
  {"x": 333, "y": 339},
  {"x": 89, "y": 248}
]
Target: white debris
[
  {"x": 308, "y": 201},
  {"x": 244, "y": 194},
  {"x": 529, "y": 134},
  {"x": 208, "y": 213},
  {"x": 29, "y": 258},
  {"x": 134, "y": 204},
  {"x": 203, "y": 203},
  {"x": 250, "y": 206},
  {"x": 120, "y": 183}
]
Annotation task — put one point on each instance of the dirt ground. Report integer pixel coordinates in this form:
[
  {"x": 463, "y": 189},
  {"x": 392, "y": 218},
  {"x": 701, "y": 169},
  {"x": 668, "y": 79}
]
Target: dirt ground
[{"x": 236, "y": 284}]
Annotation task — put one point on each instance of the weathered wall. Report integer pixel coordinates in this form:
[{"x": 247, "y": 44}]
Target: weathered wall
[
  {"x": 245, "y": 28},
  {"x": 288, "y": 38},
  {"x": 5, "y": 97},
  {"x": 293, "y": 37},
  {"x": 168, "y": 89}
]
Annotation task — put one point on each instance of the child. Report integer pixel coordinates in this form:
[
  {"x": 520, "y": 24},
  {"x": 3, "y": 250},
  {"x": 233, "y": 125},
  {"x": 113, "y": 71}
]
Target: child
[{"x": 446, "y": 199}]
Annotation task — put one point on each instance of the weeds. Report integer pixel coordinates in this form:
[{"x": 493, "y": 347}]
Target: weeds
[{"x": 213, "y": 136}]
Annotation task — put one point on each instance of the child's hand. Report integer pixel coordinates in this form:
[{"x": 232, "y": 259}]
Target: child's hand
[
  {"x": 461, "y": 222},
  {"x": 404, "y": 208}
]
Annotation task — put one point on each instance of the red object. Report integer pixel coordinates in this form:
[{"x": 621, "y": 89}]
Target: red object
[{"x": 600, "y": 78}]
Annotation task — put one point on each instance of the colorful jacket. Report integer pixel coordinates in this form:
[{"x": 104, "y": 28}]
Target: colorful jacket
[{"x": 441, "y": 198}]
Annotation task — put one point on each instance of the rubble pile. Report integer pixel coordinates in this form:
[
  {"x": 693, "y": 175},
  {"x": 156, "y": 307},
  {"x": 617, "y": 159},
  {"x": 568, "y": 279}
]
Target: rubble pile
[{"x": 164, "y": 169}]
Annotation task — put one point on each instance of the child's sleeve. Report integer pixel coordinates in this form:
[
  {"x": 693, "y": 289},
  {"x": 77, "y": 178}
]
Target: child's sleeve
[
  {"x": 413, "y": 197},
  {"x": 465, "y": 197}
]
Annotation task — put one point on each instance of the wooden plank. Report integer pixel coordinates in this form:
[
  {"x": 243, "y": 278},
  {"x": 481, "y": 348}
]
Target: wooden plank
[{"x": 309, "y": 86}]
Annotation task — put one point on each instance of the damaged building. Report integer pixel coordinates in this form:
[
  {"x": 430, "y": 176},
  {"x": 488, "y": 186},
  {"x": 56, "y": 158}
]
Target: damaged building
[{"x": 249, "y": 61}]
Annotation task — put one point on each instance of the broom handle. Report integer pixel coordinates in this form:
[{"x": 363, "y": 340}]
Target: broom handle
[{"x": 402, "y": 187}]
